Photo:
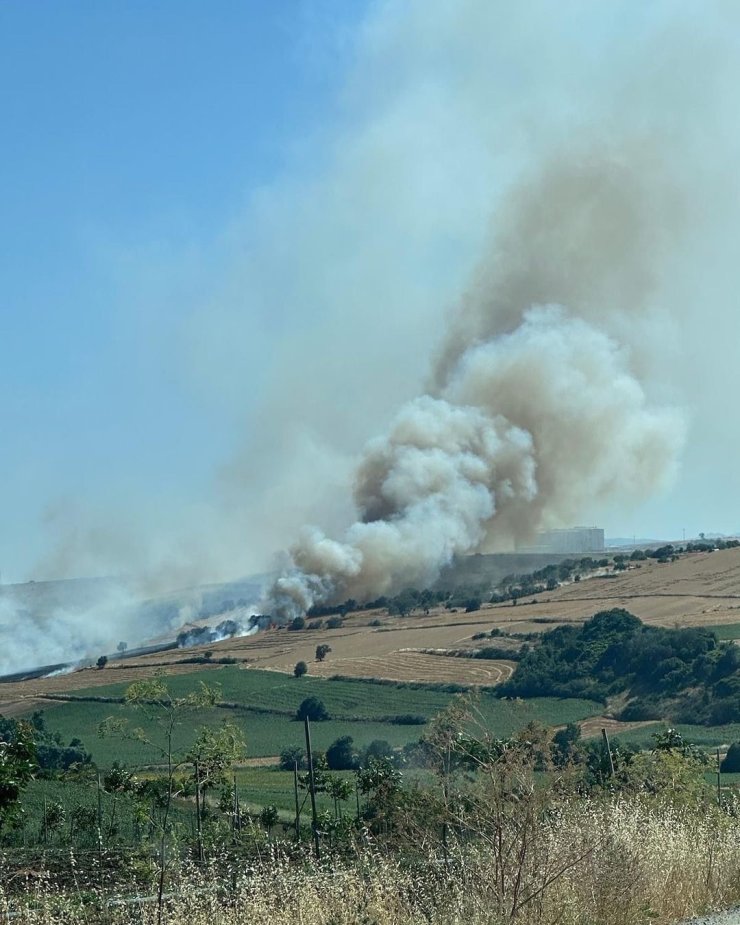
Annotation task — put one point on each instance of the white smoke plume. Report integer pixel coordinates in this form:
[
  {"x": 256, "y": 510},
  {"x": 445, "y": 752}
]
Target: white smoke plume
[{"x": 538, "y": 410}]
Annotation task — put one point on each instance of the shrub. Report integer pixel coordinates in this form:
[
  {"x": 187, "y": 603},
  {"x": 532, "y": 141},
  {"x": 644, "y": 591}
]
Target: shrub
[
  {"x": 298, "y": 623},
  {"x": 300, "y": 669},
  {"x": 408, "y": 719},
  {"x": 334, "y": 623}
]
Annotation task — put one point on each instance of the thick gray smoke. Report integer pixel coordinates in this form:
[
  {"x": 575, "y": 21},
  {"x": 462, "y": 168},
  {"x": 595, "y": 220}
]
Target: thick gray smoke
[{"x": 538, "y": 409}]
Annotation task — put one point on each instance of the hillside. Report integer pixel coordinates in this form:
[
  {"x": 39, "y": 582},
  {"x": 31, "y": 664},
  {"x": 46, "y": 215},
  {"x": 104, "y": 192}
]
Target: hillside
[{"x": 699, "y": 589}]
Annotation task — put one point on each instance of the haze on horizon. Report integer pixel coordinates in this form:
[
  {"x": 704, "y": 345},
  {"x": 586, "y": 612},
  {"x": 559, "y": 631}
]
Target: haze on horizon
[{"x": 232, "y": 245}]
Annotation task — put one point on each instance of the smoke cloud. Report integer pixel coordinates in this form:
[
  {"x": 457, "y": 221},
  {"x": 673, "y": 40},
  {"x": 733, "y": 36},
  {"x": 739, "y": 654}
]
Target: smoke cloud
[
  {"x": 490, "y": 261},
  {"x": 537, "y": 411}
]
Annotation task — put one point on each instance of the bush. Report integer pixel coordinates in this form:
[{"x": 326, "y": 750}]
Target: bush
[
  {"x": 313, "y": 709},
  {"x": 408, "y": 719},
  {"x": 298, "y": 623},
  {"x": 334, "y": 623},
  {"x": 300, "y": 669}
]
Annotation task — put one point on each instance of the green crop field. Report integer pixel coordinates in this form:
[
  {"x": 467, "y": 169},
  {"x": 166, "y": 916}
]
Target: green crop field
[
  {"x": 725, "y": 630},
  {"x": 706, "y": 736},
  {"x": 268, "y": 733},
  {"x": 273, "y": 690}
]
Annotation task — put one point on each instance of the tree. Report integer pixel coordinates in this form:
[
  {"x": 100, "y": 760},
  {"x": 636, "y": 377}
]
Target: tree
[
  {"x": 339, "y": 789},
  {"x": 300, "y": 669},
  {"x": 298, "y": 623},
  {"x": 292, "y": 756},
  {"x": 312, "y": 708},
  {"x": 121, "y": 647},
  {"x": 378, "y": 748},
  {"x": 215, "y": 751},
  {"x": 731, "y": 761},
  {"x": 102, "y": 662},
  {"x": 17, "y": 767},
  {"x": 340, "y": 755},
  {"x": 165, "y": 713},
  {"x": 269, "y": 817},
  {"x": 321, "y": 652}
]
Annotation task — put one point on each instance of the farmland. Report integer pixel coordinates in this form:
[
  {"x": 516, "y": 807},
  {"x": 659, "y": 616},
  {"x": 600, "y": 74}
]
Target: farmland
[{"x": 263, "y": 704}]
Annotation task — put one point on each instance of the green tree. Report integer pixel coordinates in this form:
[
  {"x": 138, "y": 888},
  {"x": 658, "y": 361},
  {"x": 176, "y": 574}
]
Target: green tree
[
  {"x": 165, "y": 714},
  {"x": 731, "y": 761},
  {"x": 102, "y": 661},
  {"x": 340, "y": 755},
  {"x": 321, "y": 652},
  {"x": 291, "y": 756},
  {"x": 300, "y": 669},
  {"x": 17, "y": 767},
  {"x": 269, "y": 817},
  {"x": 339, "y": 789},
  {"x": 314, "y": 709}
]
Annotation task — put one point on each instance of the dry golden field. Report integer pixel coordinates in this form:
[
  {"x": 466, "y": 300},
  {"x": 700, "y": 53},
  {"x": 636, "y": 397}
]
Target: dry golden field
[{"x": 702, "y": 588}]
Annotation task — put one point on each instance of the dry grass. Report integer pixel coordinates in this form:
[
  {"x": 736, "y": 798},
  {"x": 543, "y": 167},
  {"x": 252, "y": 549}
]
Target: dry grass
[{"x": 618, "y": 863}]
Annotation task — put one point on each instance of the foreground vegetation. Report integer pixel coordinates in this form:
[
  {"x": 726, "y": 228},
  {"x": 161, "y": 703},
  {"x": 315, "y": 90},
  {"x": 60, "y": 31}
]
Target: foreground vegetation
[{"x": 536, "y": 829}]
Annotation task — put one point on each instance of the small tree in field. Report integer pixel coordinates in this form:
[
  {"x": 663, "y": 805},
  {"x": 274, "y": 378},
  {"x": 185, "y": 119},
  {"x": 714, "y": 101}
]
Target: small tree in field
[
  {"x": 102, "y": 661},
  {"x": 321, "y": 652},
  {"x": 165, "y": 714},
  {"x": 312, "y": 708},
  {"x": 300, "y": 669}
]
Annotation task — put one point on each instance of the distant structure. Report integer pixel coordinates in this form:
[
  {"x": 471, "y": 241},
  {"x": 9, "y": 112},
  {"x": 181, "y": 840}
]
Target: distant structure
[{"x": 571, "y": 540}]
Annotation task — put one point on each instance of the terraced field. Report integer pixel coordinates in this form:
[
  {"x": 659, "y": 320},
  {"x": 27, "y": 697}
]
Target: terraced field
[{"x": 418, "y": 666}]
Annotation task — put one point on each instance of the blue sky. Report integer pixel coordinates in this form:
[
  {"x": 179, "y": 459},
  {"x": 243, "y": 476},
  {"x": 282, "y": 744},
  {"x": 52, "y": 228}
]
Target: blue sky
[
  {"x": 129, "y": 125},
  {"x": 230, "y": 234}
]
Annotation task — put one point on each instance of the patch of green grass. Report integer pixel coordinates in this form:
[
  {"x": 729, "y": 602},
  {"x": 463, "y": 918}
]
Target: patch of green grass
[
  {"x": 705, "y": 736},
  {"x": 725, "y": 630},
  {"x": 268, "y": 734},
  {"x": 258, "y": 787},
  {"x": 273, "y": 690}
]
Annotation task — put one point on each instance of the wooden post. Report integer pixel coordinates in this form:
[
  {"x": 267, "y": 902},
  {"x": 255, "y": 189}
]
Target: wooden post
[
  {"x": 312, "y": 790},
  {"x": 297, "y": 807},
  {"x": 719, "y": 780},
  {"x": 100, "y": 830},
  {"x": 608, "y": 752},
  {"x": 198, "y": 823},
  {"x": 357, "y": 795},
  {"x": 45, "y": 826}
]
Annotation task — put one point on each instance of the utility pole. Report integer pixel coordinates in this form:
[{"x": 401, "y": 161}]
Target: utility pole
[
  {"x": 312, "y": 790},
  {"x": 608, "y": 752},
  {"x": 297, "y": 808}
]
